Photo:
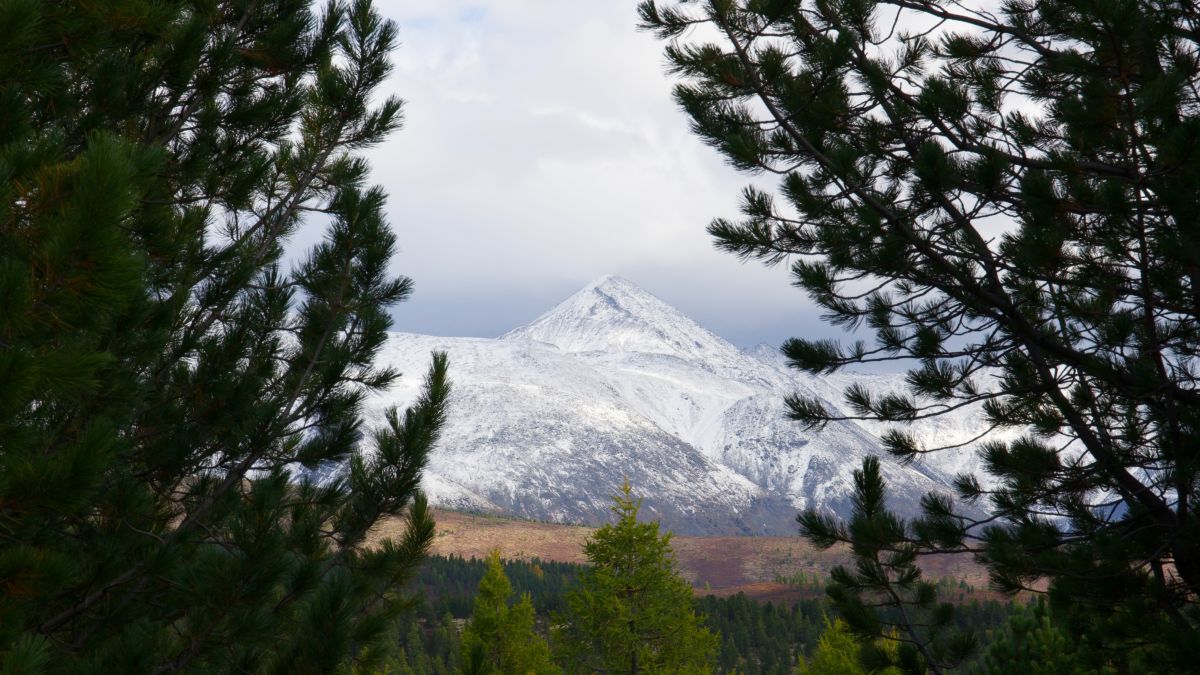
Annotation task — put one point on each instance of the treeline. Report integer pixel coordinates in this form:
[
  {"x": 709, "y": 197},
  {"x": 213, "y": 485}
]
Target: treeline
[{"x": 767, "y": 638}]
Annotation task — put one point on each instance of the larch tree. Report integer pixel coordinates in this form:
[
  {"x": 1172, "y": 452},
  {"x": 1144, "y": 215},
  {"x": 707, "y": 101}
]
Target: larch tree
[
  {"x": 167, "y": 376},
  {"x": 632, "y": 612},
  {"x": 837, "y": 653},
  {"x": 500, "y": 638},
  {"x": 1004, "y": 196}
]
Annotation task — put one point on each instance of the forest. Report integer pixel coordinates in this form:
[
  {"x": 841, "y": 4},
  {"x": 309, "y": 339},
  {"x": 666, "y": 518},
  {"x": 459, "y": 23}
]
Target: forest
[
  {"x": 755, "y": 637},
  {"x": 198, "y": 277}
]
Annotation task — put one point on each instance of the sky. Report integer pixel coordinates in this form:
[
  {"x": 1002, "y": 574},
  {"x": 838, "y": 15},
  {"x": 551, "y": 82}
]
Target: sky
[{"x": 541, "y": 149}]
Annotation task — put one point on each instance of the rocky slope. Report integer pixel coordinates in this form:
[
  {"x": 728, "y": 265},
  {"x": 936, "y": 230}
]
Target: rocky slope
[{"x": 547, "y": 420}]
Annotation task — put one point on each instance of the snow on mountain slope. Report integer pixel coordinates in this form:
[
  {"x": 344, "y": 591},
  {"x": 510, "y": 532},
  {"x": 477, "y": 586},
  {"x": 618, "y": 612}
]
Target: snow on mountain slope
[
  {"x": 546, "y": 421},
  {"x": 533, "y": 432},
  {"x": 612, "y": 314},
  {"x": 961, "y": 427}
]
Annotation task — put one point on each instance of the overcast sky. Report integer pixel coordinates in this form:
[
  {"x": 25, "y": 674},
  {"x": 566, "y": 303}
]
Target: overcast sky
[{"x": 541, "y": 149}]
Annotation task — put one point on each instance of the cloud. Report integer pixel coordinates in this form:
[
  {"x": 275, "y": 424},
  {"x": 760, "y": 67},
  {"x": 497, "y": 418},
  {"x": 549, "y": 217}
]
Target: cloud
[{"x": 542, "y": 149}]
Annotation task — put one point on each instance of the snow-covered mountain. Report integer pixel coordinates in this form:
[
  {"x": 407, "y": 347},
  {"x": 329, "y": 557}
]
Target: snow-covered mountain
[{"x": 547, "y": 420}]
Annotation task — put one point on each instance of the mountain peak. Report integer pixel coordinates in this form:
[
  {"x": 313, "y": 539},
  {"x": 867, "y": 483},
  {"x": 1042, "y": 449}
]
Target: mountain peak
[
  {"x": 613, "y": 314},
  {"x": 610, "y": 282}
]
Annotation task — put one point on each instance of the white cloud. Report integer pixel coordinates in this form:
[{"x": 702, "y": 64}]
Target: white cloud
[{"x": 542, "y": 149}]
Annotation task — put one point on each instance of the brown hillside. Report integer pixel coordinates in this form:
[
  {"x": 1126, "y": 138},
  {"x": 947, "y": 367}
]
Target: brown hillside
[{"x": 725, "y": 565}]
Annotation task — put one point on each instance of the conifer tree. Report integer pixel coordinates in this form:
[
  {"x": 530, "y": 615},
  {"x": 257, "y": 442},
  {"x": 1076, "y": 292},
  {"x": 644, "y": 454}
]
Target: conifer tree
[
  {"x": 1004, "y": 196},
  {"x": 632, "y": 612},
  {"x": 167, "y": 376},
  {"x": 837, "y": 653},
  {"x": 500, "y": 638},
  {"x": 885, "y": 574},
  {"x": 1035, "y": 645}
]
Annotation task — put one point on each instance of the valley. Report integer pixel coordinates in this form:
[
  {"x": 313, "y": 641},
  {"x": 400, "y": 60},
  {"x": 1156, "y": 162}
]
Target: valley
[{"x": 722, "y": 565}]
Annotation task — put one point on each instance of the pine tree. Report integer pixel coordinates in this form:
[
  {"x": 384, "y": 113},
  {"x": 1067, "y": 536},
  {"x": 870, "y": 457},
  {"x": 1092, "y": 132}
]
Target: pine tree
[
  {"x": 632, "y": 612},
  {"x": 920, "y": 638},
  {"x": 1034, "y": 645},
  {"x": 1006, "y": 200},
  {"x": 168, "y": 377},
  {"x": 500, "y": 638}
]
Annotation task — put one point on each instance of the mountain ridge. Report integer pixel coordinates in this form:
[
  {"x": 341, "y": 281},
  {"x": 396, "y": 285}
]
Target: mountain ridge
[
  {"x": 613, "y": 383},
  {"x": 611, "y": 314}
]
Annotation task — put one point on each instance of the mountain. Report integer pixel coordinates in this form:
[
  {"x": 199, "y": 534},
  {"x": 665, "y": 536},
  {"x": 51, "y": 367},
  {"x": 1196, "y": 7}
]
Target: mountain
[
  {"x": 547, "y": 420},
  {"x": 614, "y": 315}
]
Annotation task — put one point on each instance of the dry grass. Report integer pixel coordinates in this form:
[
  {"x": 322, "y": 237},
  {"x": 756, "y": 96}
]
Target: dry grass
[{"x": 726, "y": 565}]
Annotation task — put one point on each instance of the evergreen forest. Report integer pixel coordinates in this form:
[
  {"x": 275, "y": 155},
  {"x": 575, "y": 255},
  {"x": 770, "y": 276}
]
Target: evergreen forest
[
  {"x": 198, "y": 279},
  {"x": 755, "y": 637}
]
